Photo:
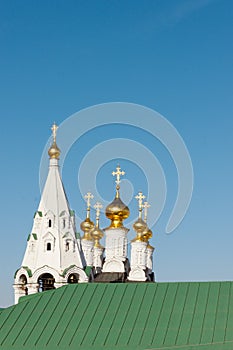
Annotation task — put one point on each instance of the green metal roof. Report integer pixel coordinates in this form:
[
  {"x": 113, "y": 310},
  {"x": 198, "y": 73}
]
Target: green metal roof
[{"x": 122, "y": 316}]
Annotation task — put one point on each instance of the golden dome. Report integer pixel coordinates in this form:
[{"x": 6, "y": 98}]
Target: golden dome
[
  {"x": 54, "y": 152},
  {"x": 139, "y": 225},
  {"x": 141, "y": 229},
  {"x": 97, "y": 234},
  {"x": 117, "y": 211},
  {"x": 86, "y": 226}
]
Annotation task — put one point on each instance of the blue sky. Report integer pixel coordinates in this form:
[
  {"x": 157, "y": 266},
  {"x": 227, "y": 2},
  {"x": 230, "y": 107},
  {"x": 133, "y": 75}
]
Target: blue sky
[{"x": 173, "y": 56}]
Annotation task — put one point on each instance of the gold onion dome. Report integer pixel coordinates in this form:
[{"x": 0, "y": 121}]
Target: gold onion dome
[
  {"x": 97, "y": 234},
  {"x": 54, "y": 152},
  {"x": 86, "y": 226},
  {"x": 139, "y": 225},
  {"x": 141, "y": 229},
  {"x": 117, "y": 211}
]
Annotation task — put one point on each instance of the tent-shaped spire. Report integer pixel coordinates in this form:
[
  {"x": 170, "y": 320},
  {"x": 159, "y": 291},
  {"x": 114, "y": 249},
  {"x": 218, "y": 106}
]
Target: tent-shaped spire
[{"x": 53, "y": 249}]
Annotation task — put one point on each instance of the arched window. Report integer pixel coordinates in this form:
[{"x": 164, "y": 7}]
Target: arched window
[
  {"x": 23, "y": 280},
  {"x": 73, "y": 278},
  {"x": 23, "y": 283},
  {"x": 64, "y": 223},
  {"x": 48, "y": 246},
  {"x": 46, "y": 282},
  {"x": 50, "y": 223}
]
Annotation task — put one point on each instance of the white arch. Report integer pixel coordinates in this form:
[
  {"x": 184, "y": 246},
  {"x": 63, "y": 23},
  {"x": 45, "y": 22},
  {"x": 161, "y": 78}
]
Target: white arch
[
  {"x": 137, "y": 274},
  {"x": 20, "y": 272},
  {"x": 46, "y": 269},
  {"x": 114, "y": 265},
  {"x": 74, "y": 269}
]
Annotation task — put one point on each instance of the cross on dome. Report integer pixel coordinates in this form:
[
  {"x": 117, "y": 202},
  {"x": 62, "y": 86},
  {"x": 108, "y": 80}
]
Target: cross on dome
[
  {"x": 145, "y": 206},
  {"x": 97, "y": 207},
  {"x": 54, "y": 131},
  {"x": 54, "y": 151},
  {"x": 118, "y": 173},
  {"x": 140, "y": 198},
  {"x": 88, "y": 198}
]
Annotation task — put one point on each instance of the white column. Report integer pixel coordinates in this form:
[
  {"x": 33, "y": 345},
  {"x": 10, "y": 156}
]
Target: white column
[
  {"x": 116, "y": 243},
  {"x": 87, "y": 247},
  {"x": 138, "y": 261},
  {"x": 98, "y": 259},
  {"x": 149, "y": 262}
]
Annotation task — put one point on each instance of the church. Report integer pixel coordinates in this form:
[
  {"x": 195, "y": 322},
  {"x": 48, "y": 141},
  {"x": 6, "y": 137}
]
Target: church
[
  {"x": 55, "y": 253},
  {"x": 72, "y": 292}
]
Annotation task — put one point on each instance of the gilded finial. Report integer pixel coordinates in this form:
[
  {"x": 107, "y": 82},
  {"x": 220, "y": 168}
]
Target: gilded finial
[
  {"x": 145, "y": 206},
  {"x": 97, "y": 207},
  {"x": 54, "y": 131},
  {"x": 88, "y": 198},
  {"x": 96, "y": 233},
  {"x": 54, "y": 152},
  {"x": 140, "y": 198}
]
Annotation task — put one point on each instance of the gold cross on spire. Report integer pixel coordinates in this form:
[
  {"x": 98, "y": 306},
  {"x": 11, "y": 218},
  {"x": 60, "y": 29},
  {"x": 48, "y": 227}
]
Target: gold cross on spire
[
  {"x": 146, "y": 206},
  {"x": 88, "y": 198},
  {"x": 118, "y": 173},
  {"x": 97, "y": 207},
  {"x": 54, "y": 131},
  {"x": 140, "y": 198}
]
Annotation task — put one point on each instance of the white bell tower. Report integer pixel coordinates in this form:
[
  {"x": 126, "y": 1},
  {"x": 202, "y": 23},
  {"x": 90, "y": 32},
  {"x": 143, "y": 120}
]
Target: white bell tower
[
  {"x": 141, "y": 250},
  {"x": 116, "y": 234},
  {"x": 53, "y": 255}
]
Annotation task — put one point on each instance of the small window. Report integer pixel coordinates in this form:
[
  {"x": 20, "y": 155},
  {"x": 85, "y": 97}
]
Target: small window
[
  {"x": 67, "y": 246},
  {"x": 64, "y": 223},
  {"x": 49, "y": 246},
  {"x": 50, "y": 223},
  {"x": 73, "y": 278}
]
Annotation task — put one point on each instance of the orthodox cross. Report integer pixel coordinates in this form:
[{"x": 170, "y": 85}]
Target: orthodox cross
[
  {"x": 146, "y": 206},
  {"x": 97, "y": 207},
  {"x": 88, "y": 198},
  {"x": 118, "y": 174},
  {"x": 140, "y": 198},
  {"x": 54, "y": 131}
]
